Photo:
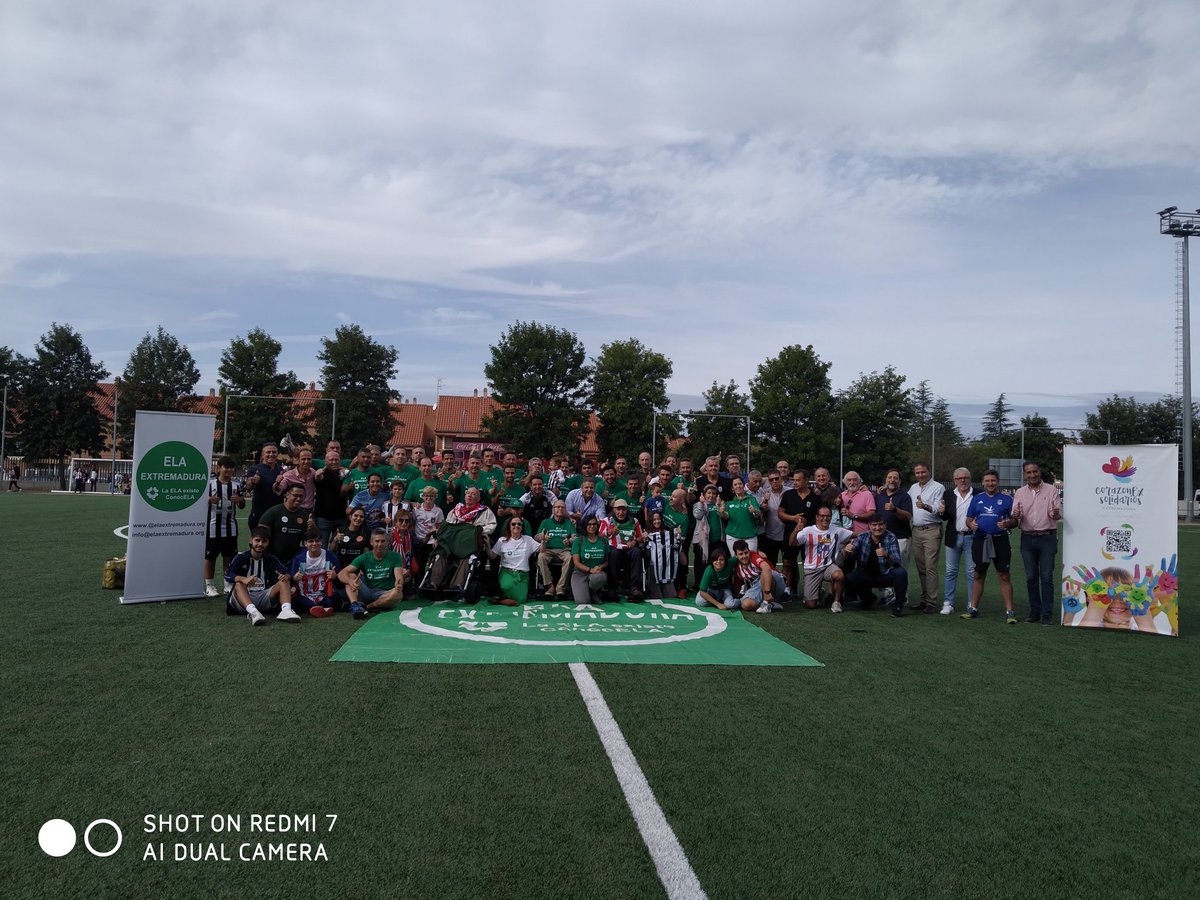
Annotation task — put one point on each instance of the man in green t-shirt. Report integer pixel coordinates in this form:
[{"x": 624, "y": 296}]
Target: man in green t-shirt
[
  {"x": 424, "y": 479},
  {"x": 587, "y": 469},
  {"x": 375, "y": 580},
  {"x": 634, "y": 496},
  {"x": 400, "y": 469},
  {"x": 555, "y": 536},
  {"x": 473, "y": 477},
  {"x": 360, "y": 472}
]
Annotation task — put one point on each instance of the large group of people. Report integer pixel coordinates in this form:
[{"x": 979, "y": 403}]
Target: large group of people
[{"x": 356, "y": 533}]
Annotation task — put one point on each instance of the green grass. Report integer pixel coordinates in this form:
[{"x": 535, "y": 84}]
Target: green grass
[{"x": 930, "y": 757}]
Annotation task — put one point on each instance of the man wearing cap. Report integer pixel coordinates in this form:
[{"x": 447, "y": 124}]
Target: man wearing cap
[{"x": 627, "y": 560}]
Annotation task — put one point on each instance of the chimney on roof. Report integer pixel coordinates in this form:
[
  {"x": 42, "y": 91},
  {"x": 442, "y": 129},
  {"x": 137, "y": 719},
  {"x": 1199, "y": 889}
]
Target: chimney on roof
[
  {"x": 312, "y": 385},
  {"x": 212, "y": 392},
  {"x": 476, "y": 392},
  {"x": 485, "y": 390}
]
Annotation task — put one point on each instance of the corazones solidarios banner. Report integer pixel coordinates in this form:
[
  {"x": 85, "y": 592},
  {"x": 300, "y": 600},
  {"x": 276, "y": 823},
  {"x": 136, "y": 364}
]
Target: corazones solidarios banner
[
  {"x": 168, "y": 507},
  {"x": 1121, "y": 537}
]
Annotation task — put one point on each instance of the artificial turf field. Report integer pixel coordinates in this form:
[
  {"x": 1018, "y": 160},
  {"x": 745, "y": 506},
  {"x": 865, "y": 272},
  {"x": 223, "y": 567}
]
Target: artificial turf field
[{"x": 929, "y": 757}]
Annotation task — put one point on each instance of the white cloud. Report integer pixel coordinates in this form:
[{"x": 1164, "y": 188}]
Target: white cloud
[{"x": 789, "y": 172}]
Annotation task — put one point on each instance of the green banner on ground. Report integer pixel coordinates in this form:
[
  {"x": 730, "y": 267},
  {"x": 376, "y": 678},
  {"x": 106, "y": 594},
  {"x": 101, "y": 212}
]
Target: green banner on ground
[{"x": 654, "y": 632}]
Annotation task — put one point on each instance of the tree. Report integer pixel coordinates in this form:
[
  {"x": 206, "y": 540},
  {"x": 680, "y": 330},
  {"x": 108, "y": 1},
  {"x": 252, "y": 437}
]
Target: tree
[
  {"x": 629, "y": 384},
  {"x": 12, "y": 364},
  {"x": 160, "y": 375},
  {"x": 709, "y": 436},
  {"x": 58, "y": 399},
  {"x": 947, "y": 441},
  {"x": 793, "y": 409},
  {"x": 356, "y": 373},
  {"x": 1131, "y": 422},
  {"x": 996, "y": 420},
  {"x": 1043, "y": 445},
  {"x": 877, "y": 415},
  {"x": 250, "y": 365},
  {"x": 538, "y": 375}
]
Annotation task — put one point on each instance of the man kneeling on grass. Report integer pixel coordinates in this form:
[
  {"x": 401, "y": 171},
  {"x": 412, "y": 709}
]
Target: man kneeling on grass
[
  {"x": 760, "y": 586},
  {"x": 375, "y": 580},
  {"x": 878, "y": 564},
  {"x": 250, "y": 573}
]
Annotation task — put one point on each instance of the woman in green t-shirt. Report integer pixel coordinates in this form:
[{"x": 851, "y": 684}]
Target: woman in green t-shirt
[
  {"x": 716, "y": 584},
  {"x": 743, "y": 514},
  {"x": 589, "y": 559}
]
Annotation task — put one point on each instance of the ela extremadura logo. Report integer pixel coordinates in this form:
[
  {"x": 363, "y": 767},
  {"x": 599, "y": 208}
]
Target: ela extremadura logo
[{"x": 172, "y": 476}]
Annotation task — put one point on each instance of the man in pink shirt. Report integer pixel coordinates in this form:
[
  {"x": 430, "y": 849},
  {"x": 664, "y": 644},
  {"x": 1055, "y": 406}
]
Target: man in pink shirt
[
  {"x": 858, "y": 503},
  {"x": 1038, "y": 509}
]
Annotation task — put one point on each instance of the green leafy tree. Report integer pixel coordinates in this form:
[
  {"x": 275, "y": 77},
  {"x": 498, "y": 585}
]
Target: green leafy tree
[
  {"x": 709, "y": 436},
  {"x": 250, "y": 366},
  {"x": 793, "y": 408},
  {"x": 57, "y": 399},
  {"x": 1043, "y": 445},
  {"x": 356, "y": 372},
  {"x": 1132, "y": 422},
  {"x": 538, "y": 373},
  {"x": 947, "y": 441},
  {"x": 12, "y": 364},
  {"x": 996, "y": 421},
  {"x": 877, "y": 414},
  {"x": 160, "y": 375},
  {"x": 628, "y": 386}
]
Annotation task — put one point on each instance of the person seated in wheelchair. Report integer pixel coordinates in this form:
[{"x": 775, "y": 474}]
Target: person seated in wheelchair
[{"x": 627, "y": 559}]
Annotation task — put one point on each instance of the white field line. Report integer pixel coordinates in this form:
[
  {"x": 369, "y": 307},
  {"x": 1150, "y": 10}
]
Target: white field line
[{"x": 674, "y": 870}]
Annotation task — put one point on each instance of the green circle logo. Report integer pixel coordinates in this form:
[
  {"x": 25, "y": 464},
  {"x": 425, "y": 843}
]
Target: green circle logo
[
  {"x": 548, "y": 624},
  {"x": 172, "y": 476}
]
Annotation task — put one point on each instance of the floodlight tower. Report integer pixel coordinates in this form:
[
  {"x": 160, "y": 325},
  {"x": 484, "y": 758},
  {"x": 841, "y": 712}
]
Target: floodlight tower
[{"x": 1183, "y": 225}]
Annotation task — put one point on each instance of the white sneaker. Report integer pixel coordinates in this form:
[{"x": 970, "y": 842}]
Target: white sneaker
[
  {"x": 287, "y": 614},
  {"x": 889, "y": 595},
  {"x": 210, "y": 590},
  {"x": 947, "y": 608},
  {"x": 256, "y": 618},
  {"x": 836, "y": 607},
  {"x": 763, "y": 607}
]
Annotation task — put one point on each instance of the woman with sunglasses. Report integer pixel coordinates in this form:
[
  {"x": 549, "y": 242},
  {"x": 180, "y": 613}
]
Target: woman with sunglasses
[{"x": 514, "y": 550}]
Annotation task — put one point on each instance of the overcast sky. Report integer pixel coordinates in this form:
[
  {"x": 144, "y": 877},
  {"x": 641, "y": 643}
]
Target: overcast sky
[{"x": 966, "y": 191}]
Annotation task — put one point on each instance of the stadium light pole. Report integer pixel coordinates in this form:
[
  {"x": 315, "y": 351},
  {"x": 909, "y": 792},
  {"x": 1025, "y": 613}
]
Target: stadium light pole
[{"x": 1182, "y": 225}]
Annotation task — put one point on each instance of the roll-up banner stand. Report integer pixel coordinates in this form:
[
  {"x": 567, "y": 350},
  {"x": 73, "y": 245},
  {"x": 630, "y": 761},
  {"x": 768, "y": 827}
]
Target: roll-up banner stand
[
  {"x": 168, "y": 508},
  {"x": 1121, "y": 537}
]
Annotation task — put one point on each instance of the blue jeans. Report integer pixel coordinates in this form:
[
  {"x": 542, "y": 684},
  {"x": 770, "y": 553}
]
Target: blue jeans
[
  {"x": 1037, "y": 553},
  {"x": 960, "y": 550},
  {"x": 755, "y": 593}
]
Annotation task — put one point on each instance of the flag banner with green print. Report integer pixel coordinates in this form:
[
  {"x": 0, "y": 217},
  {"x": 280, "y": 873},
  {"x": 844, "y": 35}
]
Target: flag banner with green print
[{"x": 654, "y": 632}]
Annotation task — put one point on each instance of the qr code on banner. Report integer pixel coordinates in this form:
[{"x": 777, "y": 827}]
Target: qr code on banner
[{"x": 1118, "y": 541}]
